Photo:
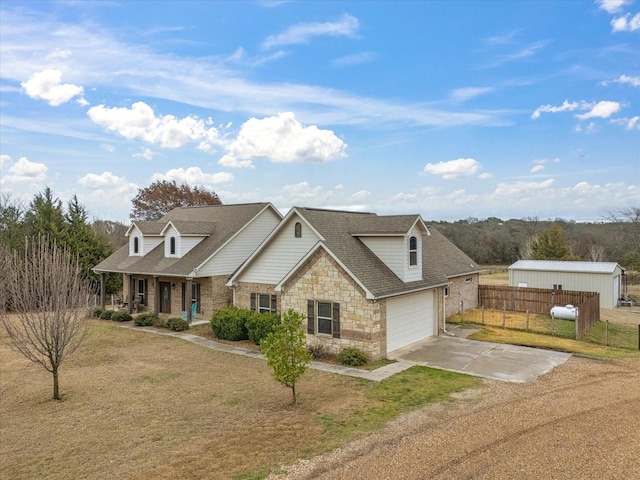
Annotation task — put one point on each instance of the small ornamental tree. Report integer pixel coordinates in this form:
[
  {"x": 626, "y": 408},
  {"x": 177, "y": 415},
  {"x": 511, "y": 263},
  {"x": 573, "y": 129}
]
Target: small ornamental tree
[
  {"x": 286, "y": 351},
  {"x": 46, "y": 290}
]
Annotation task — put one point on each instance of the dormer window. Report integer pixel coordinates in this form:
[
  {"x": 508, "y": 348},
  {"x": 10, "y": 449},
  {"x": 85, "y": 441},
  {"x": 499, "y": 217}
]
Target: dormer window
[
  {"x": 298, "y": 230},
  {"x": 413, "y": 251},
  {"x": 172, "y": 246},
  {"x": 136, "y": 245}
]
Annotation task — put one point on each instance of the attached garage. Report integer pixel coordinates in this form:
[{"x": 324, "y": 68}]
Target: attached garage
[{"x": 409, "y": 318}]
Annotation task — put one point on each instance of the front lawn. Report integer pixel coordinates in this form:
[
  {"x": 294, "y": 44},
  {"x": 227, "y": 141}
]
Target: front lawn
[{"x": 138, "y": 406}]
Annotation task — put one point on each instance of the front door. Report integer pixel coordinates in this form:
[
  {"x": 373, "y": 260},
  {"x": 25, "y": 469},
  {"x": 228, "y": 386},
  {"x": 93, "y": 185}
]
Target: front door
[{"x": 165, "y": 297}]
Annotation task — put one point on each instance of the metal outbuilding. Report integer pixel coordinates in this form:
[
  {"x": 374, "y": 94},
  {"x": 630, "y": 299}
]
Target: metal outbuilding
[{"x": 606, "y": 278}]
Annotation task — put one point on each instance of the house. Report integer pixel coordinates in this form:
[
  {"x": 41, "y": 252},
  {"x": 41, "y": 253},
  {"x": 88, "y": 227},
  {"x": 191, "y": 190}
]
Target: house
[
  {"x": 372, "y": 282},
  {"x": 179, "y": 264},
  {"x": 602, "y": 277}
]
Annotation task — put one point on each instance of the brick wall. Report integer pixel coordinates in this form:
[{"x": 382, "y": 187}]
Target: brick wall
[
  {"x": 362, "y": 322},
  {"x": 244, "y": 290},
  {"x": 462, "y": 290},
  {"x": 214, "y": 294}
]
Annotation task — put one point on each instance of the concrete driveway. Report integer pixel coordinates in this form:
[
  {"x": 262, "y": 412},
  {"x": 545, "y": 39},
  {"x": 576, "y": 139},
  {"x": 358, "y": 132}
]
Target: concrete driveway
[{"x": 497, "y": 361}]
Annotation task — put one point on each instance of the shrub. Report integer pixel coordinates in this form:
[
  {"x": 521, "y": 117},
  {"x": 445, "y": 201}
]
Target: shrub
[
  {"x": 352, "y": 357},
  {"x": 177, "y": 324},
  {"x": 318, "y": 351},
  {"x": 106, "y": 314},
  {"x": 96, "y": 312},
  {"x": 121, "y": 317},
  {"x": 259, "y": 325},
  {"x": 229, "y": 324},
  {"x": 145, "y": 319}
]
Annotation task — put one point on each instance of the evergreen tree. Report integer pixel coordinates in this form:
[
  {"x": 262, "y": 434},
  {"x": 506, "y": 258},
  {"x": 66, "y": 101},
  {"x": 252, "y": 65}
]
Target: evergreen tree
[{"x": 550, "y": 244}]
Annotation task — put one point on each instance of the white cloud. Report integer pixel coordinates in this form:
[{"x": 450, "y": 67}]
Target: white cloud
[
  {"x": 612, "y": 6},
  {"x": 626, "y": 80},
  {"x": 485, "y": 176},
  {"x": 522, "y": 188},
  {"x": 24, "y": 171},
  {"x": 46, "y": 85},
  {"x": 462, "y": 167},
  {"x": 627, "y": 23},
  {"x": 107, "y": 181},
  {"x": 361, "y": 195},
  {"x": 107, "y": 147},
  {"x": 602, "y": 109},
  {"x": 193, "y": 176},
  {"x": 467, "y": 93},
  {"x": 537, "y": 168},
  {"x": 140, "y": 122},
  {"x": 346, "y": 26},
  {"x": 282, "y": 139},
  {"x": 565, "y": 107},
  {"x": 632, "y": 123},
  {"x": 302, "y": 190},
  {"x": 146, "y": 153},
  {"x": 355, "y": 59},
  {"x": 4, "y": 159},
  {"x": 138, "y": 70}
]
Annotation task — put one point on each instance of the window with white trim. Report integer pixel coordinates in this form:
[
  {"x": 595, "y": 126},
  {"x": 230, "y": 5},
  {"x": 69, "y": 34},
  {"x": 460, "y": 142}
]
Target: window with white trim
[
  {"x": 298, "y": 230},
  {"x": 413, "y": 251},
  {"x": 264, "y": 303},
  {"x": 172, "y": 246},
  {"x": 136, "y": 245}
]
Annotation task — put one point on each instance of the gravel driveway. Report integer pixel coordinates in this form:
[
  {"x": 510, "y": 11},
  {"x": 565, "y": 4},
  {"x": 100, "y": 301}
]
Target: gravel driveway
[{"x": 580, "y": 421}]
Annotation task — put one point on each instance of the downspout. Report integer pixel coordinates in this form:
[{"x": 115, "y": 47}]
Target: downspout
[{"x": 444, "y": 312}]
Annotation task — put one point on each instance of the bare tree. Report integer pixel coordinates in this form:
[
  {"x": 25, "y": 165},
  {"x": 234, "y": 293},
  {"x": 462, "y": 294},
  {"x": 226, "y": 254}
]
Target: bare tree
[
  {"x": 595, "y": 253},
  {"x": 43, "y": 303}
]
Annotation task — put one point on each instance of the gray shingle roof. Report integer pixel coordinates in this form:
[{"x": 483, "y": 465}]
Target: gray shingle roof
[
  {"x": 219, "y": 222},
  {"x": 441, "y": 259}
]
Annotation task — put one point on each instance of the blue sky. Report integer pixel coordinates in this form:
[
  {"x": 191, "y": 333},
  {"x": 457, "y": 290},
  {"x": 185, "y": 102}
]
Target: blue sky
[{"x": 446, "y": 109}]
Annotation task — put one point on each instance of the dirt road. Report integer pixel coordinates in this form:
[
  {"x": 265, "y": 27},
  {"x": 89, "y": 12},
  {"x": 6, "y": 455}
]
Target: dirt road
[{"x": 580, "y": 421}]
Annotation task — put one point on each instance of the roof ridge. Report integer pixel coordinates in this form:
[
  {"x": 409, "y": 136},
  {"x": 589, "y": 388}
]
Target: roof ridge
[{"x": 331, "y": 210}]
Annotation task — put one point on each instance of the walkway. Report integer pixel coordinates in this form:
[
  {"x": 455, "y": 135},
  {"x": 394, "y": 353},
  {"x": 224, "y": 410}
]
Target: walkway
[{"x": 509, "y": 363}]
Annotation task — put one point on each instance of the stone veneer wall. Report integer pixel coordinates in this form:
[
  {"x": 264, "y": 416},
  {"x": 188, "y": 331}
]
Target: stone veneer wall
[
  {"x": 362, "y": 322},
  {"x": 461, "y": 290}
]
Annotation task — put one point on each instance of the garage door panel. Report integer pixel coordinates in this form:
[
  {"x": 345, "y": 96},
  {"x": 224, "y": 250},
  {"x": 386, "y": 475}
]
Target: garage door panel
[{"x": 409, "y": 319}]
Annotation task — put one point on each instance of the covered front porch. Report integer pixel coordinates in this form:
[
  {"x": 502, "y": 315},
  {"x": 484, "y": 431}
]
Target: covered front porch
[{"x": 163, "y": 295}]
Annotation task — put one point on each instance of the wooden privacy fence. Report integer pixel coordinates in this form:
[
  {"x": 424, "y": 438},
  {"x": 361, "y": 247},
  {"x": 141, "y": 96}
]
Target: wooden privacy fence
[{"x": 540, "y": 300}]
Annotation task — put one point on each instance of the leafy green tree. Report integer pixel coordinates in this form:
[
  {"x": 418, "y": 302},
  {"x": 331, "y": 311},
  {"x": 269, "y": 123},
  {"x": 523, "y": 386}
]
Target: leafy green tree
[
  {"x": 550, "y": 244},
  {"x": 286, "y": 351},
  {"x": 159, "y": 198}
]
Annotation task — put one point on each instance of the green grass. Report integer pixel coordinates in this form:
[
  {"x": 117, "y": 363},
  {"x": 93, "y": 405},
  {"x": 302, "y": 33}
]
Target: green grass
[
  {"x": 623, "y": 336},
  {"x": 518, "y": 337},
  {"x": 409, "y": 390}
]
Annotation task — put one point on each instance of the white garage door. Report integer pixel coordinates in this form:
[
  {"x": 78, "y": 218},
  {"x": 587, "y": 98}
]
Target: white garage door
[{"x": 409, "y": 319}]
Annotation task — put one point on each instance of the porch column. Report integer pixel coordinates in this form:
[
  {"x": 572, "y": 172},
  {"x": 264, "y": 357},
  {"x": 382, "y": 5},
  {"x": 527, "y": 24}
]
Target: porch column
[
  {"x": 188, "y": 294},
  {"x": 102, "y": 292},
  {"x": 132, "y": 294},
  {"x": 156, "y": 294}
]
